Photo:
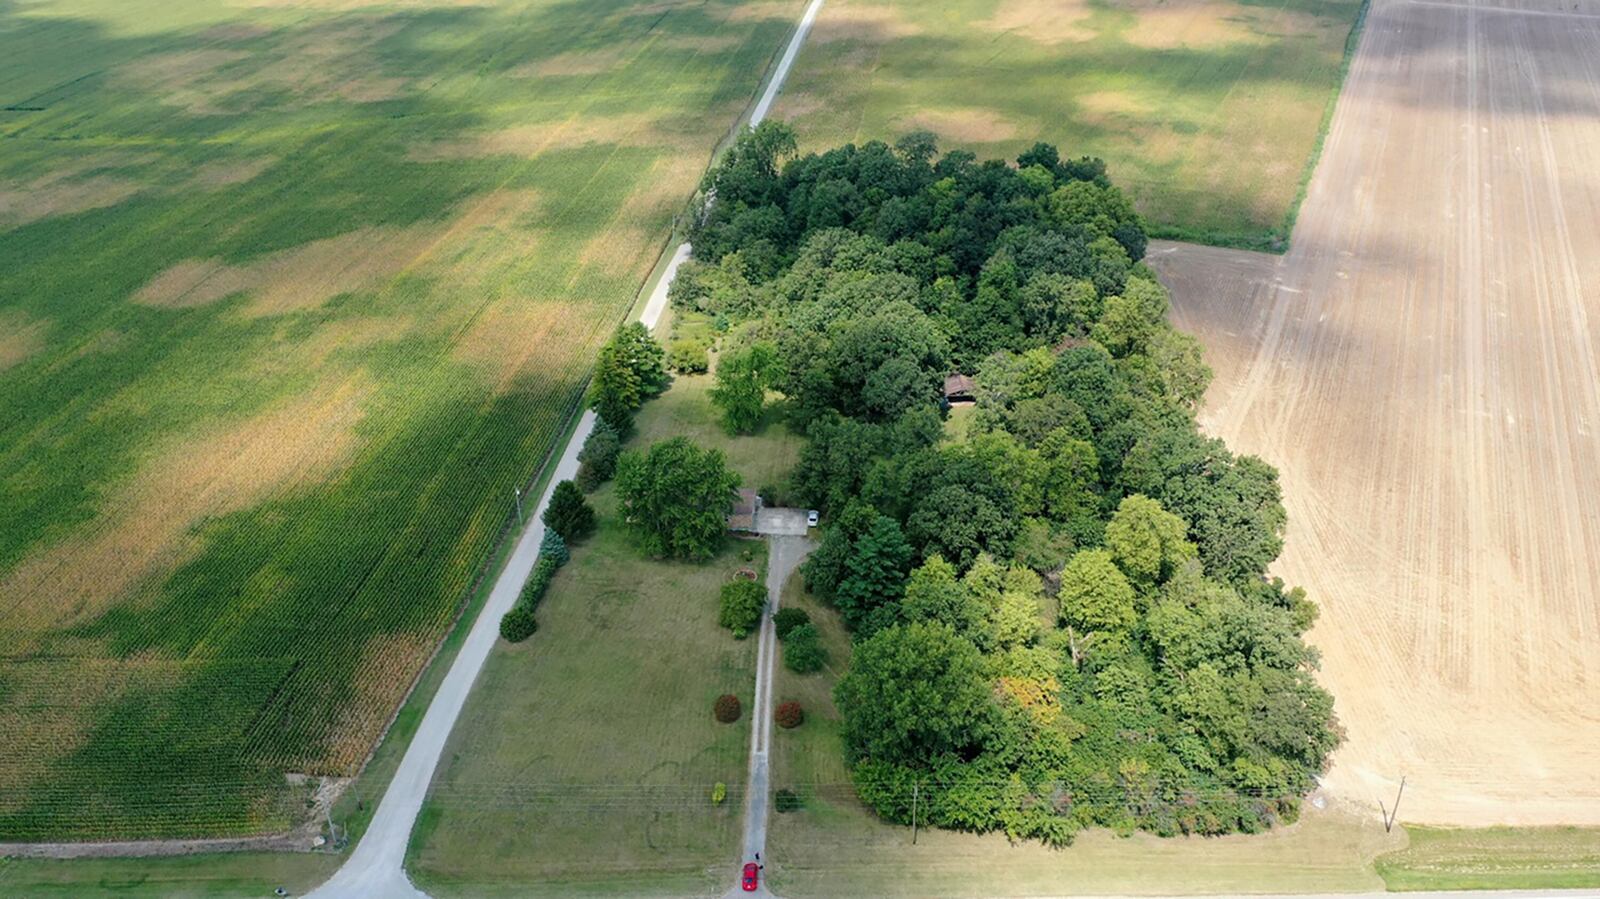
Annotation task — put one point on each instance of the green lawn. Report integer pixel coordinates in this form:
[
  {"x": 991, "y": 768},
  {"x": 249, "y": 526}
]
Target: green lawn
[
  {"x": 291, "y": 296},
  {"x": 585, "y": 758},
  {"x": 1495, "y": 858},
  {"x": 212, "y": 874},
  {"x": 1207, "y": 111}
]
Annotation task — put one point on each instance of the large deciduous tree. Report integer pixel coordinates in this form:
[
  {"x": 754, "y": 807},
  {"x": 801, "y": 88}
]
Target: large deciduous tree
[{"x": 677, "y": 498}]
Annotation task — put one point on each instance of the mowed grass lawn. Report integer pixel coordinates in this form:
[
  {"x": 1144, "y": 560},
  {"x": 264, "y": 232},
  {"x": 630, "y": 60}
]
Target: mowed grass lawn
[
  {"x": 585, "y": 759},
  {"x": 291, "y": 297},
  {"x": 1207, "y": 111},
  {"x": 1495, "y": 858},
  {"x": 835, "y": 846}
]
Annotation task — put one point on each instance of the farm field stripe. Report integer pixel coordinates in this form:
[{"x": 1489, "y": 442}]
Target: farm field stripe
[{"x": 376, "y": 867}]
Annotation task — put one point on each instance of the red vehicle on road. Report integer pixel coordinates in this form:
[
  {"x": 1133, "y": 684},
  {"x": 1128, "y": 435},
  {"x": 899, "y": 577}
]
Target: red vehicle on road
[{"x": 752, "y": 877}]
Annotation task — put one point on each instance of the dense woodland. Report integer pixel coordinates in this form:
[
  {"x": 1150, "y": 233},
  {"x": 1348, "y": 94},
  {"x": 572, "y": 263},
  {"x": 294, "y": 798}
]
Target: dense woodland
[{"x": 1060, "y": 610}]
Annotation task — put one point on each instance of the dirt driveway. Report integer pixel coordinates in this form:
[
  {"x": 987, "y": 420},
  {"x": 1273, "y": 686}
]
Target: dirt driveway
[{"x": 1422, "y": 367}]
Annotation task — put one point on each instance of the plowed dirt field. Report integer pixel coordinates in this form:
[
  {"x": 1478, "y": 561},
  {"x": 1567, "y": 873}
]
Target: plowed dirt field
[{"x": 1422, "y": 366}]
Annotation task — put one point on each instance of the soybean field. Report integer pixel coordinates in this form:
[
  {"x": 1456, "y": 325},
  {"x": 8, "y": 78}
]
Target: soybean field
[
  {"x": 292, "y": 296},
  {"x": 1209, "y": 113}
]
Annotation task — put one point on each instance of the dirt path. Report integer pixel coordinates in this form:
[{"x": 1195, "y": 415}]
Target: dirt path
[
  {"x": 1423, "y": 368},
  {"x": 787, "y": 552}
]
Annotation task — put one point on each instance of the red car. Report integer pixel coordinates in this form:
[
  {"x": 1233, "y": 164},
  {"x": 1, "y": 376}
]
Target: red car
[{"x": 751, "y": 878}]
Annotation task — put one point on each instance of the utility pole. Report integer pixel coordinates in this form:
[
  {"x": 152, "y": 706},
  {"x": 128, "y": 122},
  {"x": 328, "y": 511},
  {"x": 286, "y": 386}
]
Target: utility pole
[
  {"x": 915, "y": 788},
  {"x": 518, "y": 491},
  {"x": 1390, "y": 815}
]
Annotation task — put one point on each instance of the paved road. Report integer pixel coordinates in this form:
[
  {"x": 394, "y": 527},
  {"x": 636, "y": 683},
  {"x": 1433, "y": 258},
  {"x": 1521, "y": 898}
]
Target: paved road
[
  {"x": 786, "y": 553},
  {"x": 376, "y": 867}
]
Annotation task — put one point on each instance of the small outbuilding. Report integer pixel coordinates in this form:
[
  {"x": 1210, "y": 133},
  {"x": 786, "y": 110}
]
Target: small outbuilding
[
  {"x": 959, "y": 390},
  {"x": 745, "y": 509}
]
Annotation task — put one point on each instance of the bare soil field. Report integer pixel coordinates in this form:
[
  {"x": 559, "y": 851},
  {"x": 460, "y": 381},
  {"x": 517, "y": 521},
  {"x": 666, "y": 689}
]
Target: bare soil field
[{"x": 1422, "y": 367}]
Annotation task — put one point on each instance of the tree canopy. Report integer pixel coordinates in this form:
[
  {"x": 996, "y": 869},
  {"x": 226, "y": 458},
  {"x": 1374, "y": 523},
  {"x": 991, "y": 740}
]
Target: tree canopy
[
  {"x": 677, "y": 498},
  {"x": 1171, "y": 689}
]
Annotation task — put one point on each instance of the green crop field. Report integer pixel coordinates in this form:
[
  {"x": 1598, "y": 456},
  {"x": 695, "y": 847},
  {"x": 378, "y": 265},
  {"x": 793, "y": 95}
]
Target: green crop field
[
  {"x": 291, "y": 296},
  {"x": 585, "y": 758},
  {"x": 1208, "y": 112}
]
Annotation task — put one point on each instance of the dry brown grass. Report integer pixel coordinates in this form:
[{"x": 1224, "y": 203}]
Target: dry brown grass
[
  {"x": 1191, "y": 23},
  {"x": 379, "y": 682},
  {"x": 59, "y": 193},
  {"x": 856, "y": 22},
  {"x": 1044, "y": 21},
  {"x": 310, "y": 65},
  {"x": 20, "y": 337},
  {"x": 964, "y": 126},
  {"x": 528, "y": 141},
  {"x": 293, "y": 279},
  {"x": 228, "y": 172},
  {"x": 150, "y": 528}
]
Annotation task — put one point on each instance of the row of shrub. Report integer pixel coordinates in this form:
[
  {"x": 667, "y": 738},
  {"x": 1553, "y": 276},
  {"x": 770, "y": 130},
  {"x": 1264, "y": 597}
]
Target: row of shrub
[{"x": 519, "y": 623}]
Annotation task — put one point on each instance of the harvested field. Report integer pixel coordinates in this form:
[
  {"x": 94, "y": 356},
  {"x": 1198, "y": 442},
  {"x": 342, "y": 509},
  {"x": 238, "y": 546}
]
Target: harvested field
[
  {"x": 1207, "y": 111},
  {"x": 1424, "y": 368},
  {"x": 292, "y": 296}
]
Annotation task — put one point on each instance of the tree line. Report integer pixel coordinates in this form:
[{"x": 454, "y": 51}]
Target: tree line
[{"x": 1061, "y": 616}]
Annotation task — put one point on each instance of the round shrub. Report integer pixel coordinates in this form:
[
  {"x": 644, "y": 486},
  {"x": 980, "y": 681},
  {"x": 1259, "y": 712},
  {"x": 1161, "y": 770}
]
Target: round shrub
[
  {"x": 742, "y": 604},
  {"x": 727, "y": 708},
  {"x": 688, "y": 357},
  {"x": 786, "y": 620},
  {"x": 787, "y": 801},
  {"x": 518, "y": 624},
  {"x": 803, "y": 652},
  {"x": 719, "y": 793},
  {"x": 789, "y": 714}
]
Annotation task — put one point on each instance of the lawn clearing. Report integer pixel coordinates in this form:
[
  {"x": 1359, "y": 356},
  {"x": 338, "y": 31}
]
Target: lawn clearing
[
  {"x": 274, "y": 360},
  {"x": 1208, "y": 112},
  {"x": 585, "y": 759},
  {"x": 173, "y": 877},
  {"x": 835, "y": 846},
  {"x": 1494, "y": 858}
]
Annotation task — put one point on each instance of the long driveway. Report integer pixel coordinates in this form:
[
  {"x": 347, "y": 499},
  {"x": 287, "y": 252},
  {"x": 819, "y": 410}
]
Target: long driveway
[{"x": 376, "y": 867}]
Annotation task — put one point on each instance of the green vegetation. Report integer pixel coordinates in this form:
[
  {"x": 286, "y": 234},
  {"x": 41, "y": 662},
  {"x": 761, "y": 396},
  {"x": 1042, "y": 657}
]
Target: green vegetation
[
  {"x": 569, "y": 515},
  {"x": 1494, "y": 858},
  {"x": 175, "y": 877},
  {"x": 677, "y": 498},
  {"x": 290, "y": 300},
  {"x": 630, "y": 660},
  {"x": 630, "y": 369},
  {"x": 1164, "y": 685},
  {"x": 837, "y": 846},
  {"x": 741, "y": 606},
  {"x": 1208, "y": 114}
]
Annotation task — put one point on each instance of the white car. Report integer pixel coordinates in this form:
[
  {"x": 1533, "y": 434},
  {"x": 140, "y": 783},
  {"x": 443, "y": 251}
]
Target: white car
[{"x": 811, "y": 518}]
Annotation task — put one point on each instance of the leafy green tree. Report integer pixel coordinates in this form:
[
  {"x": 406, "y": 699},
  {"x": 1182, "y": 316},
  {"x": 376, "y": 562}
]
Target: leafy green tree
[
  {"x": 1147, "y": 542},
  {"x": 874, "y": 572},
  {"x": 787, "y": 619},
  {"x": 825, "y": 567},
  {"x": 1095, "y": 596},
  {"x": 597, "y": 461},
  {"x": 914, "y": 692},
  {"x": 934, "y": 594},
  {"x": 615, "y": 391},
  {"x": 631, "y": 367},
  {"x": 802, "y": 650},
  {"x": 742, "y": 380},
  {"x": 568, "y": 513},
  {"x": 741, "y": 605},
  {"x": 677, "y": 498}
]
